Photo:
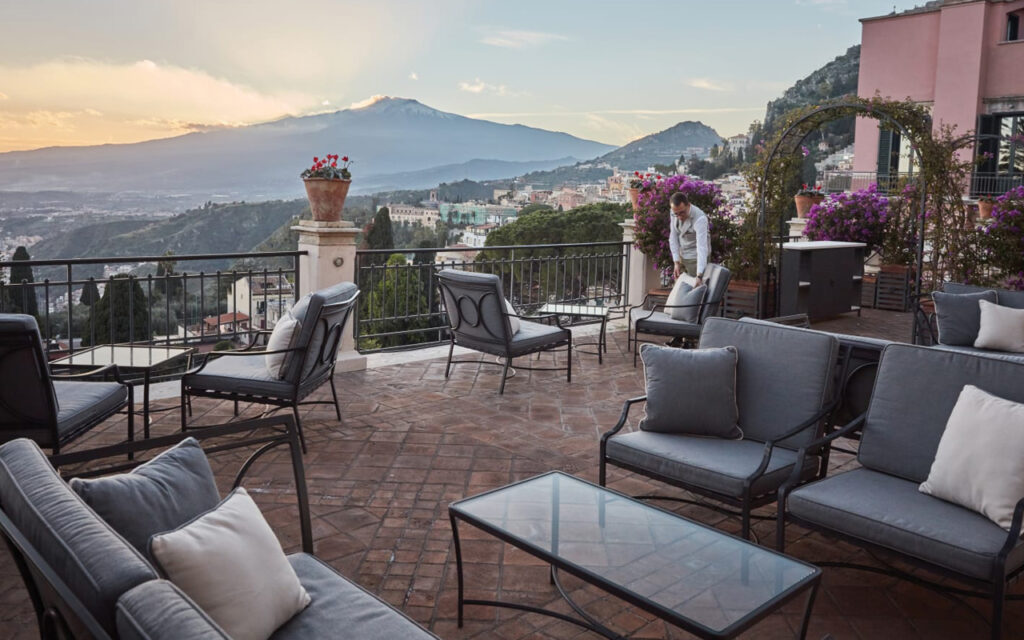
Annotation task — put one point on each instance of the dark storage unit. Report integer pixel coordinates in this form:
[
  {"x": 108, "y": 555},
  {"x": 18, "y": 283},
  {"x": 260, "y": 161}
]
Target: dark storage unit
[{"x": 821, "y": 279}]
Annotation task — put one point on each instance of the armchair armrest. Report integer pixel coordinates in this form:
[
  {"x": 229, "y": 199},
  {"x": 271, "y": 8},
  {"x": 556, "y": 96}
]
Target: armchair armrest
[
  {"x": 622, "y": 419},
  {"x": 207, "y": 357},
  {"x": 256, "y": 335},
  {"x": 678, "y": 306},
  {"x": 110, "y": 368},
  {"x": 769, "y": 445},
  {"x": 815, "y": 446},
  {"x": 543, "y": 316}
]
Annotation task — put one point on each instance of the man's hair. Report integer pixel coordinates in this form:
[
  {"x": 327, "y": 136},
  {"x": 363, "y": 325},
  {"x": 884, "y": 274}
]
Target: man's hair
[{"x": 678, "y": 199}]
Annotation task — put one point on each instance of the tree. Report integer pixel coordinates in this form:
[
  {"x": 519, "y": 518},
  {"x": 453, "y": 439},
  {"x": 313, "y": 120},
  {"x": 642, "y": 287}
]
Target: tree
[
  {"x": 714, "y": 151},
  {"x": 378, "y": 235},
  {"x": 21, "y": 295},
  {"x": 397, "y": 288},
  {"x": 121, "y": 314},
  {"x": 90, "y": 293},
  {"x": 165, "y": 283},
  {"x": 530, "y": 208}
]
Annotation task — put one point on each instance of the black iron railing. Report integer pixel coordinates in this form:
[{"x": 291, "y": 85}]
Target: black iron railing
[
  {"x": 994, "y": 184},
  {"x": 171, "y": 299},
  {"x": 400, "y": 306},
  {"x": 890, "y": 183}
]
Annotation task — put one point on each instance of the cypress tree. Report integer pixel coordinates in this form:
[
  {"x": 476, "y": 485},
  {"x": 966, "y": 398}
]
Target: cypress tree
[{"x": 21, "y": 295}]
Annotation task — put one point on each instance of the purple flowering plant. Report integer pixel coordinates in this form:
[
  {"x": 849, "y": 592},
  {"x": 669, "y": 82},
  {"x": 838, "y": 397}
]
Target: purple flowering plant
[
  {"x": 859, "y": 216},
  {"x": 653, "y": 213},
  {"x": 1004, "y": 237}
]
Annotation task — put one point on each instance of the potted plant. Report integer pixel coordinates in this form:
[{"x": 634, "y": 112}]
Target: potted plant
[
  {"x": 807, "y": 197},
  {"x": 327, "y": 186},
  {"x": 985, "y": 205}
]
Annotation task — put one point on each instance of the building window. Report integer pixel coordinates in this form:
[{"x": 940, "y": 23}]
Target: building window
[
  {"x": 1001, "y": 148},
  {"x": 1012, "y": 27}
]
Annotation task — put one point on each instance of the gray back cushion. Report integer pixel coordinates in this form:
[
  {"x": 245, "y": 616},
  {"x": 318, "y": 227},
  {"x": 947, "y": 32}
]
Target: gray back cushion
[
  {"x": 312, "y": 333},
  {"x": 158, "y": 496},
  {"x": 783, "y": 377},
  {"x": 27, "y": 398},
  {"x": 690, "y": 391},
  {"x": 915, "y": 390},
  {"x": 1005, "y": 297},
  {"x": 158, "y": 610},
  {"x": 959, "y": 316},
  {"x": 96, "y": 563},
  {"x": 717, "y": 278},
  {"x": 475, "y": 306}
]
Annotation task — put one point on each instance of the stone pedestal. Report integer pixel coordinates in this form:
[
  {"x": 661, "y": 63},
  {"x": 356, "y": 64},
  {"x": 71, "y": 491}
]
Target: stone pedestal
[
  {"x": 642, "y": 274},
  {"x": 330, "y": 259},
  {"x": 796, "y": 228}
]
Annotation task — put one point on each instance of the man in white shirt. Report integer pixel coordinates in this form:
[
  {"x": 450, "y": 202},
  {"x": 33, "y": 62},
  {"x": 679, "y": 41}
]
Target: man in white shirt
[{"x": 688, "y": 238}]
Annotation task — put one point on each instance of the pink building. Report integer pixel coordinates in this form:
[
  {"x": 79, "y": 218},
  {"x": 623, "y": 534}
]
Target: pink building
[{"x": 962, "y": 58}]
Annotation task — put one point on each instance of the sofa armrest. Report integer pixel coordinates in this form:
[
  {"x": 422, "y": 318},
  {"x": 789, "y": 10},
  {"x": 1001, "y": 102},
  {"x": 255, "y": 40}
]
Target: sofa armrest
[
  {"x": 814, "y": 448},
  {"x": 770, "y": 444},
  {"x": 1012, "y": 540}
]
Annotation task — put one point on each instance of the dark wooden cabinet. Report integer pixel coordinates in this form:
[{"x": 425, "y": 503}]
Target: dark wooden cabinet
[{"x": 821, "y": 279}]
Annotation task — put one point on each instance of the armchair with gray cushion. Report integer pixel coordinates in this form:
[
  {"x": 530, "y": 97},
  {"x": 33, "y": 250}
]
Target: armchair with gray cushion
[
  {"x": 659, "y": 321},
  {"x": 308, "y": 363},
  {"x": 52, "y": 410},
  {"x": 784, "y": 392},
  {"x": 87, "y": 581},
  {"x": 879, "y": 506},
  {"x": 479, "y": 320},
  {"x": 927, "y": 323}
]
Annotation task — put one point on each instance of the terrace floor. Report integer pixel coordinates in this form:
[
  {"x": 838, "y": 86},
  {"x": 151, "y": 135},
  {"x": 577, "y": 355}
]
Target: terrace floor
[{"x": 411, "y": 442}]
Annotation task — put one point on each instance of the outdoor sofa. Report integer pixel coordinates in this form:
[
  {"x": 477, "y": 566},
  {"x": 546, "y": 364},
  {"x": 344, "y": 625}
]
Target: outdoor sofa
[
  {"x": 929, "y": 323},
  {"x": 879, "y": 506},
  {"x": 87, "y": 581}
]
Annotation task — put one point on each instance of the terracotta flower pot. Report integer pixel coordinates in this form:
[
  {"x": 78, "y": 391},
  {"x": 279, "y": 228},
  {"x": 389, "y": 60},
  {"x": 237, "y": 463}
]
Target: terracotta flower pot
[
  {"x": 326, "y": 198},
  {"x": 985, "y": 209},
  {"x": 634, "y": 197},
  {"x": 803, "y": 205}
]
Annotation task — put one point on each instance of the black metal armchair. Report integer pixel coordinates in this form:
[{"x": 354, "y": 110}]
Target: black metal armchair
[
  {"x": 309, "y": 362},
  {"x": 52, "y": 410},
  {"x": 479, "y": 320},
  {"x": 784, "y": 392},
  {"x": 658, "y": 322}
]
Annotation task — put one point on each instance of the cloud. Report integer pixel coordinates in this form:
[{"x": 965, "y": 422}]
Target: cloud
[
  {"x": 623, "y": 112},
  {"x": 511, "y": 39},
  {"x": 3, "y": 96},
  {"x": 138, "y": 101},
  {"x": 413, "y": 75},
  {"x": 360, "y": 104},
  {"x": 708, "y": 85},
  {"x": 478, "y": 86}
]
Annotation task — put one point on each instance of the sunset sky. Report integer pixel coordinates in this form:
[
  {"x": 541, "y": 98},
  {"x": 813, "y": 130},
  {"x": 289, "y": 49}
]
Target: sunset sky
[{"x": 105, "y": 71}]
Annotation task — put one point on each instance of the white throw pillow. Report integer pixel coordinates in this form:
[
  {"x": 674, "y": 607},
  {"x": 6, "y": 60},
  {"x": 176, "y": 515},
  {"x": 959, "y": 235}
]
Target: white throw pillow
[
  {"x": 280, "y": 339},
  {"x": 1002, "y": 328},
  {"x": 513, "y": 322},
  {"x": 231, "y": 564},
  {"x": 980, "y": 460},
  {"x": 690, "y": 301},
  {"x": 682, "y": 287}
]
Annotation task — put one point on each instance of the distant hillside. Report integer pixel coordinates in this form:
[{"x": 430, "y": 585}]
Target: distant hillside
[
  {"x": 213, "y": 228},
  {"x": 391, "y": 136},
  {"x": 663, "y": 147},
  {"x": 472, "y": 170},
  {"x": 579, "y": 173},
  {"x": 837, "y": 78}
]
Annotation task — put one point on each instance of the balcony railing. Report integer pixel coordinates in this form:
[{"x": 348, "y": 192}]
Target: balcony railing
[
  {"x": 400, "y": 306},
  {"x": 166, "y": 300},
  {"x": 981, "y": 183}
]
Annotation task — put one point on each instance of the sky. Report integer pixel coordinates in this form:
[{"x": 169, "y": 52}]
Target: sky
[{"x": 82, "y": 72}]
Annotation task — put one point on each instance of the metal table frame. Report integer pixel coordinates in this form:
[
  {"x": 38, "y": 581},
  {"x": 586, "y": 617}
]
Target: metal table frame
[
  {"x": 600, "y": 314},
  {"x": 587, "y": 621}
]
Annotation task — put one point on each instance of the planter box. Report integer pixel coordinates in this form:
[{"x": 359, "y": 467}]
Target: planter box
[
  {"x": 892, "y": 292},
  {"x": 741, "y": 300}
]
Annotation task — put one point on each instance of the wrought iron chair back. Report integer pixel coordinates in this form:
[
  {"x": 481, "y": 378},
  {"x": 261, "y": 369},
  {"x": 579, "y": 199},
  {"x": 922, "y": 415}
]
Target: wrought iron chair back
[{"x": 28, "y": 403}]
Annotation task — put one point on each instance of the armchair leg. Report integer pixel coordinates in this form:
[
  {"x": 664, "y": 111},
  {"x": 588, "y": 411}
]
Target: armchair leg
[
  {"x": 636, "y": 349},
  {"x": 236, "y": 408},
  {"x": 601, "y": 471},
  {"x": 780, "y": 524},
  {"x": 998, "y": 598},
  {"x": 298, "y": 425},
  {"x": 568, "y": 360},
  {"x": 131, "y": 420},
  {"x": 504, "y": 375},
  {"x": 184, "y": 405},
  {"x": 448, "y": 365},
  {"x": 334, "y": 392},
  {"x": 745, "y": 528}
]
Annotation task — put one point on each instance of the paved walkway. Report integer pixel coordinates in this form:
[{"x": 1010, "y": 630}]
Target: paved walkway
[{"x": 411, "y": 442}]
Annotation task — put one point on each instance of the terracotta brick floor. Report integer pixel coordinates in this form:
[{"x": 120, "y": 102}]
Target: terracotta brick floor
[{"x": 411, "y": 442}]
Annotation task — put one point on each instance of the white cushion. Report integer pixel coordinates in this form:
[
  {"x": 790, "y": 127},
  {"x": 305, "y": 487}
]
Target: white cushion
[
  {"x": 513, "y": 322},
  {"x": 980, "y": 460},
  {"x": 1002, "y": 328},
  {"x": 280, "y": 338},
  {"x": 231, "y": 564}
]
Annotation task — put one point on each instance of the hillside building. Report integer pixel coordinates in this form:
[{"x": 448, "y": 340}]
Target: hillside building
[
  {"x": 964, "y": 59},
  {"x": 426, "y": 216},
  {"x": 263, "y": 299}
]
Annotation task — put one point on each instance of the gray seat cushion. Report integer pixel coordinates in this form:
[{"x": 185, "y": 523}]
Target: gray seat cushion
[
  {"x": 974, "y": 351},
  {"x": 715, "y": 464},
  {"x": 158, "y": 610},
  {"x": 240, "y": 374},
  {"x": 534, "y": 335},
  {"x": 84, "y": 403},
  {"x": 158, "y": 496},
  {"x": 784, "y": 375},
  {"x": 915, "y": 391},
  {"x": 662, "y": 324},
  {"x": 340, "y": 608},
  {"x": 892, "y": 513},
  {"x": 96, "y": 563}
]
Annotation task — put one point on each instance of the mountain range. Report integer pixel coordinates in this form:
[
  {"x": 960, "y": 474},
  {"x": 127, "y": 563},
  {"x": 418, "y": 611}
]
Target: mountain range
[{"x": 394, "y": 142}]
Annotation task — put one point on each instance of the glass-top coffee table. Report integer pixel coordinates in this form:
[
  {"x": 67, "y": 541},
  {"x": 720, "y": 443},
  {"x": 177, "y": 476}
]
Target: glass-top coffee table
[
  {"x": 136, "y": 361},
  {"x": 702, "y": 580},
  {"x": 588, "y": 314}
]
